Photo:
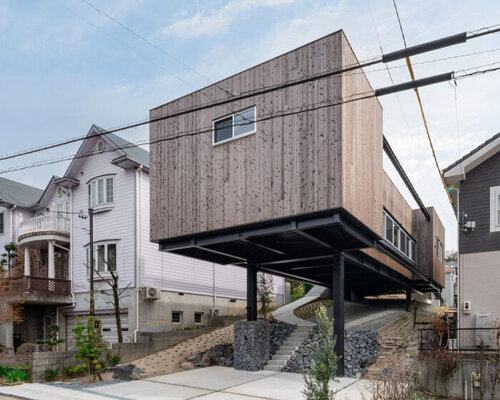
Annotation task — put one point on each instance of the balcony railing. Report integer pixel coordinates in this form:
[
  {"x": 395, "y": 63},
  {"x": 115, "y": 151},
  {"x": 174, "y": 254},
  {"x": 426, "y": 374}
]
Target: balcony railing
[
  {"x": 35, "y": 284},
  {"x": 45, "y": 223}
]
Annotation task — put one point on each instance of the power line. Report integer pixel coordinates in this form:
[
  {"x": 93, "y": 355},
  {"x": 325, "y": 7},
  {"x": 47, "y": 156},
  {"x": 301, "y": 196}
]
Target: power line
[
  {"x": 151, "y": 44},
  {"x": 349, "y": 99},
  {"x": 192, "y": 133},
  {"x": 412, "y": 75},
  {"x": 327, "y": 74}
]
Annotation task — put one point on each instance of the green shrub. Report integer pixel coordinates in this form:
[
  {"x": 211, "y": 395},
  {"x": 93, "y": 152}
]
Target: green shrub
[
  {"x": 53, "y": 337},
  {"x": 112, "y": 359},
  {"x": 89, "y": 345},
  {"x": 17, "y": 375},
  {"x": 324, "y": 367},
  {"x": 50, "y": 373},
  {"x": 70, "y": 372}
]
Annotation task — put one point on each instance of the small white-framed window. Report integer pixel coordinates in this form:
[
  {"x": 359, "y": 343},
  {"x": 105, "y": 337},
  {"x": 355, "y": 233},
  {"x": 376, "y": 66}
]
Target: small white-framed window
[
  {"x": 198, "y": 317},
  {"x": 495, "y": 209},
  {"x": 176, "y": 317},
  {"x": 2, "y": 226},
  {"x": 104, "y": 257},
  {"x": 234, "y": 126},
  {"x": 101, "y": 191}
]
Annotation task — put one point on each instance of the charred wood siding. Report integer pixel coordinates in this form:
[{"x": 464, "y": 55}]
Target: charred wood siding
[{"x": 475, "y": 202}]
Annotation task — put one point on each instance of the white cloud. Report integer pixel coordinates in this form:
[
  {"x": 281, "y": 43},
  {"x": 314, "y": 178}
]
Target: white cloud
[{"x": 216, "y": 21}]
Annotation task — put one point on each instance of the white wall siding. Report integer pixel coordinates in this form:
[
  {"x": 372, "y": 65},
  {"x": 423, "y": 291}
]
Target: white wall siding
[
  {"x": 5, "y": 237},
  {"x": 187, "y": 275},
  {"x": 117, "y": 224}
]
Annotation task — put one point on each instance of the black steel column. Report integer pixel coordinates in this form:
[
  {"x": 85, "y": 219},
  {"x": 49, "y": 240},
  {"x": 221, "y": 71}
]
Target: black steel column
[
  {"x": 338, "y": 309},
  {"x": 251, "y": 291},
  {"x": 408, "y": 299}
]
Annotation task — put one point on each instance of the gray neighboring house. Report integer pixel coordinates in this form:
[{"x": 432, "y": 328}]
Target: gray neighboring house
[{"x": 476, "y": 194}]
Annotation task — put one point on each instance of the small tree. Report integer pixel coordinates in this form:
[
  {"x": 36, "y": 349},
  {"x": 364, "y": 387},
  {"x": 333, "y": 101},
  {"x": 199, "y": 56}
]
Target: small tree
[
  {"x": 89, "y": 345},
  {"x": 324, "y": 368},
  {"x": 8, "y": 257},
  {"x": 264, "y": 289},
  {"x": 53, "y": 337},
  {"x": 116, "y": 294}
]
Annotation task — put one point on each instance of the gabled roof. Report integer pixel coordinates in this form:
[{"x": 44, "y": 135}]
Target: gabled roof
[
  {"x": 18, "y": 194},
  {"x": 129, "y": 155},
  {"x": 133, "y": 152},
  {"x": 456, "y": 172}
]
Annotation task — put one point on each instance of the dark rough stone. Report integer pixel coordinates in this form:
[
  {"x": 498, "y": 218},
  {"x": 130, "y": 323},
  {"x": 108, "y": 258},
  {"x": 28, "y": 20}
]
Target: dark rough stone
[
  {"x": 251, "y": 344},
  {"x": 360, "y": 351},
  {"x": 127, "y": 372},
  {"x": 279, "y": 333}
]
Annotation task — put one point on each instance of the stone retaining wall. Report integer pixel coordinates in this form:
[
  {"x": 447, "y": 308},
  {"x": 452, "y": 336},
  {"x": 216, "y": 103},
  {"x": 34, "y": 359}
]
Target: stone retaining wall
[{"x": 251, "y": 344}]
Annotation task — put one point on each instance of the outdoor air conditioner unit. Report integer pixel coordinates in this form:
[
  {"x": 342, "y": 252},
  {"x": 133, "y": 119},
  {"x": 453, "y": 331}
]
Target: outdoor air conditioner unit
[
  {"x": 213, "y": 312},
  {"x": 151, "y": 293}
]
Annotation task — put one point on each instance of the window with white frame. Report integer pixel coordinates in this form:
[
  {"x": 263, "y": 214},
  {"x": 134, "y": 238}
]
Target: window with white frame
[
  {"x": 104, "y": 257},
  {"x": 439, "y": 250},
  {"x": 398, "y": 238},
  {"x": 101, "y": 191},
  {"x": 233, "y": 126},
  {"x": 495, "y": 209},
  {"x": 2, "y": 227}
]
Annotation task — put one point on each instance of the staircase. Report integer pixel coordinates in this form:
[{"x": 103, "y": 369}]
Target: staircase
[
  {"x": 298, "y": 336},
  {"x": 398, "y": 342}
]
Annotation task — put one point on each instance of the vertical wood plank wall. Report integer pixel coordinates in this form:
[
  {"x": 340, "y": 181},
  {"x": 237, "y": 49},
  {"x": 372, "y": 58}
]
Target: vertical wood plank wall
[
  {"x": 307, "y": 162},
  {"x": 291, "y": 166},
  {"x": 362, "y": 147}
]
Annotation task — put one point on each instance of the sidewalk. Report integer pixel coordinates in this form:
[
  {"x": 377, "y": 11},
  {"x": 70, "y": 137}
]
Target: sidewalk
[{"x": 214, "y": 383}]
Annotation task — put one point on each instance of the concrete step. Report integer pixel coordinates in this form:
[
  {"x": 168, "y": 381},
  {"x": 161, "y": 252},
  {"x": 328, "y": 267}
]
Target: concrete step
[
  {"x": 283, "y": 353},
  {"x": 275, "y": 368},
  {"x": 288, "y": 348},
  {"x": 276, "y": 362},
  {"x": 293, "y": 342},
  {"x": 281, "y": 357}
]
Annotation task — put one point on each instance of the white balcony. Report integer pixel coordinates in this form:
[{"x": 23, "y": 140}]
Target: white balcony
[{"x": 43, "y": 228}]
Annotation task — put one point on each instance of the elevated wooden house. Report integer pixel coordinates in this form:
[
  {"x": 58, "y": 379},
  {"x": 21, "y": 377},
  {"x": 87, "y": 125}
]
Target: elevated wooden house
[{"x": 279, "y": 171}]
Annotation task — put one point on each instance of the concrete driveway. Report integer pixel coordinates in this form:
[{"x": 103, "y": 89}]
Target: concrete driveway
[{"x": 214, "y": 383}]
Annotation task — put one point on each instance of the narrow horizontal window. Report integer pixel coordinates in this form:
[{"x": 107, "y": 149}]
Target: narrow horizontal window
[{"x": 241, "y": 123}]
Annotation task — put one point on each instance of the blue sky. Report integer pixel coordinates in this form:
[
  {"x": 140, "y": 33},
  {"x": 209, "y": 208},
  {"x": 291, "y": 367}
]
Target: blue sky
[{"x": 63, "y": 66}]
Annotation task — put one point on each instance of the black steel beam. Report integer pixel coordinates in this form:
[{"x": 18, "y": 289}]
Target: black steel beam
[
  {"x": 408, "y": 299},
  {"x": 221, "y": 253},
  {"x": 392, "y": 156},
  {"x": 301, "y": 278},
  {"x": 252, "y": 291},
  {"x": 317, "y": 240},
  {"x": 262, "y": 246},
  {"x": 338, "y": 309}
]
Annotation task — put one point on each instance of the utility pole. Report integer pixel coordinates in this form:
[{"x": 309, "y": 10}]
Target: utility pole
[{"x": 91, "y": 261}]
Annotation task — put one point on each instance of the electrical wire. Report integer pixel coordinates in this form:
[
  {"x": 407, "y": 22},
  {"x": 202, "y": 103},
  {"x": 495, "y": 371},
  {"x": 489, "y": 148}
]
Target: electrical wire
[
  {"x": 151, "y": 44},
  {"x": 412, "y": 75},
  {"x": 297, "y": 110},
  {"x": 247, "y": 94}
]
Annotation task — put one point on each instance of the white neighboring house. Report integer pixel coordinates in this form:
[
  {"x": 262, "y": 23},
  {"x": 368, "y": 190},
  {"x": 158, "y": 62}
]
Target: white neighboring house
[{"x": 166, "y": 291}]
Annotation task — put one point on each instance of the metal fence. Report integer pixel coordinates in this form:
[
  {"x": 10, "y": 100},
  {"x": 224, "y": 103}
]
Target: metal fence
[{"x": 461, "y": 339}]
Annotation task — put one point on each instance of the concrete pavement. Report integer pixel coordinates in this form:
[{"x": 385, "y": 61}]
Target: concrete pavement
[{"x": 213, "y": 383}]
